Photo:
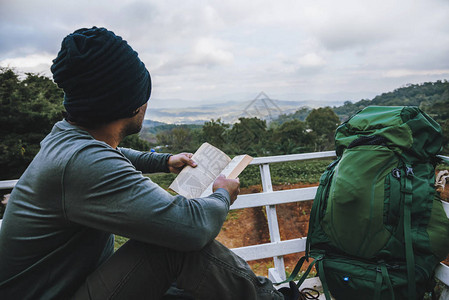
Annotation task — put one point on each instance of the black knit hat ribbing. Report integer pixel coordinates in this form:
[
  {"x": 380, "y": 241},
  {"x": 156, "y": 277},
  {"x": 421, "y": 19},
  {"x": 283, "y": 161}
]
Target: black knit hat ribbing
[{"x": 101, "y": 75}]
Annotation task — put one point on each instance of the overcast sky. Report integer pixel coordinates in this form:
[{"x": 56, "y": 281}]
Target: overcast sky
[{"x": 232, "y": 50}]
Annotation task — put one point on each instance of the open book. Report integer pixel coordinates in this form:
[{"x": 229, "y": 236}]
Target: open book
[{"x": 198, "y": 182}]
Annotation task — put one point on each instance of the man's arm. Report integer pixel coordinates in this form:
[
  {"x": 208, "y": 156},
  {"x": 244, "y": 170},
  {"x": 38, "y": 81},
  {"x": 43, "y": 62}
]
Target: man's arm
[
  {"x": 147, "y": 162},
  {"x": 102, "y": 190}
]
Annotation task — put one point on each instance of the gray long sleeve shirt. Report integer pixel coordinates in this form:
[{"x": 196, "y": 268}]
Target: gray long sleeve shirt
[{"x": 59, "y": 221}]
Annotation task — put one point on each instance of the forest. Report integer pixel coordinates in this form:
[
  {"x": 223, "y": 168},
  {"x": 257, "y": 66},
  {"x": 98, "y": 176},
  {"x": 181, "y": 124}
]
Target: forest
[{"x": 32, "y": 103}]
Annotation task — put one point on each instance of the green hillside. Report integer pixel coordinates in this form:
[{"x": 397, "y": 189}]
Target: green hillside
[{"x": 431, "y": 97}]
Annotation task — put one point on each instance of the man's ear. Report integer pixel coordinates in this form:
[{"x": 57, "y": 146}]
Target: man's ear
[{"x": 136, "y": 112}]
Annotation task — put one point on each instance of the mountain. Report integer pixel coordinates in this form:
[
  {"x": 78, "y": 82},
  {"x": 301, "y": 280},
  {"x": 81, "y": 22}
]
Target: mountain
[
  {"x": 431, "y": 97},
  {"x": 150, "y": 123},
  {"x": 262, "y": 107}
]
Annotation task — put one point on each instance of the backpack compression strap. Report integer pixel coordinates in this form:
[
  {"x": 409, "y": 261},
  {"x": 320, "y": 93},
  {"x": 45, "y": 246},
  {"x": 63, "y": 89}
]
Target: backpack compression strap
[
  {"x": 297, "y": 269},
  {"x": 409, "y": 255},
  {"x": 382, "y": 275},
  {"x": 323, "y": 279}
]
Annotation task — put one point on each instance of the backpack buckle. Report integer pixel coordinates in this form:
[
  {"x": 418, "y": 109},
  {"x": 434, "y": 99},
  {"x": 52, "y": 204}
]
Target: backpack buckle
[
  {"x": 409, "y": 172},
  {"x": 396, "y": 173}
]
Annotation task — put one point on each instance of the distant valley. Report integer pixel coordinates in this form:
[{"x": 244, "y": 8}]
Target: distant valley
[
  {"x": 431, "y": 97},
  {"x": 262, "y": 107}
]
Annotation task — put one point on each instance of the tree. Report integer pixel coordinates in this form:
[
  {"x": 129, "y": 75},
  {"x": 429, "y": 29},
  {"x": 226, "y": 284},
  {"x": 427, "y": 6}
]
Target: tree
[
  {"x": 291, "y": 137},
  {"x": 323, "y": 122},
  {"x": 301, "y": 114},
  {"x": 178, "y": 139},
  {"x": 215, "y": 133},
  {"x": 249, "y": 136},
  {"x": 135, "y": 142},
  {"x": 181, "y": 139},
  {"x": 29, "y": 108},
  {"x": 424, "y": 95},
  {"x": 164, "y": 138}
]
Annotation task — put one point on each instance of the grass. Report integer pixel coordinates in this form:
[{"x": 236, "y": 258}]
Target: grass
[
  {"x": 162, "y": 179},
  {"x": 286, "y": 173},
  {"x": 233, "y": 214}
]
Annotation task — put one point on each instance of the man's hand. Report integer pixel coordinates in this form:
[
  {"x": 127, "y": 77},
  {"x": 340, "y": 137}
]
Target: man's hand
[
  {"x": 231, "y": 185},
  {"x": 177, "y": 162}
]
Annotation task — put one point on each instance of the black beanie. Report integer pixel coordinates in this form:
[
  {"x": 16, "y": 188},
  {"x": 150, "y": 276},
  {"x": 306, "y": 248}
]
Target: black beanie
[{"x": 101, "y": 75}]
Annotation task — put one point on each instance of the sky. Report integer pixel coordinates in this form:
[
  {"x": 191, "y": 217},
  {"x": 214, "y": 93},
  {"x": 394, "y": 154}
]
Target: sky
[{"x": 216, "y": 51}]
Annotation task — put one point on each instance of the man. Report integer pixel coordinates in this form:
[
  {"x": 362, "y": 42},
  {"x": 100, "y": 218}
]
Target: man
[{"x": 56, "y": 240}]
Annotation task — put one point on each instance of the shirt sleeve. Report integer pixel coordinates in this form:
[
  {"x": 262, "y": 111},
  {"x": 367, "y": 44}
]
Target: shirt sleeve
[
  {"x": 147, "y": 162},
  {"x": 102, "y": 190}
]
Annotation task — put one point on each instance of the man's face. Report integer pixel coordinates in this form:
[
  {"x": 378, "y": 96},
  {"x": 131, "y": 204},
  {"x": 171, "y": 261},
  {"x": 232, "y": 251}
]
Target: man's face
[{"x": 135, "y": 123}]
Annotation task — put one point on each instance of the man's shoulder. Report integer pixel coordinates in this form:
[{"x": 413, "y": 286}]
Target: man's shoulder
[
  {"x": 68, "y": 144},
  {"x": 67, "y": 138}
]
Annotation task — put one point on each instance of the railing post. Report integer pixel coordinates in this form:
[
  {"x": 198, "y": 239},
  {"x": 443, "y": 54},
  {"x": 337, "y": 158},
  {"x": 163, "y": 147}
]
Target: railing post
[{"x": 278, "y": 273}]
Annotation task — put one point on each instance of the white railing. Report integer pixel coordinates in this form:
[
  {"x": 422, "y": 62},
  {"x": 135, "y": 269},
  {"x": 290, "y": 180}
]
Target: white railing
[{"x": 269, "y": 198}]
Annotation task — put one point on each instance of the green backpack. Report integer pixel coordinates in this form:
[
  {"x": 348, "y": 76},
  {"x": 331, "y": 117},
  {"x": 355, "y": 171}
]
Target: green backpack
[{"x": 377, "y": 228}]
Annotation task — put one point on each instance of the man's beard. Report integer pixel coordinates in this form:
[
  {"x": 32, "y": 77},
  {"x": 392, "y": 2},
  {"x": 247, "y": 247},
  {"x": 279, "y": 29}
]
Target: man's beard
[
  {"x": 132, "y": 128},
  {"x": 136, "y": 122}
]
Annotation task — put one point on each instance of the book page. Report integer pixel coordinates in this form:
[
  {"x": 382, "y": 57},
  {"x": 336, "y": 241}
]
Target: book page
[
  {"x": 191, "y": 182},
  {"x": 231, "y": 171},
  {"x": 236, "y": 166}
]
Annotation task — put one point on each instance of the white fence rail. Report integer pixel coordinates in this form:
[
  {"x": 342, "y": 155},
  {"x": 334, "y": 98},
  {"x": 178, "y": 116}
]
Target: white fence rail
[{"x": 269, "y": 198}]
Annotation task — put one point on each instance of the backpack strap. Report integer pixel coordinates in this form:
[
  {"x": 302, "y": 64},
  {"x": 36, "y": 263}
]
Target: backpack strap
[
  {"x": 378, "y": 286},
  {"x": 318, "y": 202},
  {"x": 314, "y": 215},
  {"x": 297, "y": 269},
  {"x": 409, "y": 255},
  {"x": 304, "y": 276},
  {"x": 323, "y": 278},
  {"x": 382, "y": 276},
  {"x": 295, "y": 272},
  {"x": 386, "y": 277}
]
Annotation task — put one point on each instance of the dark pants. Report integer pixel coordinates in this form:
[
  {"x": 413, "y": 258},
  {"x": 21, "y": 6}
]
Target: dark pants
[{"x": 143, "y": 271}]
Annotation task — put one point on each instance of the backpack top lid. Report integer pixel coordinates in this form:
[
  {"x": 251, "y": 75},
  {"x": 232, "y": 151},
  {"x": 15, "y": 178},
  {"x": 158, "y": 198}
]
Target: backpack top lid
[{"x": 405, "y": 129}]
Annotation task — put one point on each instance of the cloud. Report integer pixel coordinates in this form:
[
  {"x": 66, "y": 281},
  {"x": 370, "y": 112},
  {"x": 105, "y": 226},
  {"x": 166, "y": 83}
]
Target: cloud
[
  {"x": 33, "y": 63},
  {"x": 203, "y": 53},
  {"x": 212, "y": 49},
  {"x": 340, "y": 25},
  {"x": 311, "y": 60},
  {"x": 29, "y": 61}
]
